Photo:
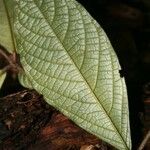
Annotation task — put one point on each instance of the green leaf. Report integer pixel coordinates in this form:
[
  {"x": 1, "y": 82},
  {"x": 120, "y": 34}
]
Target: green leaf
[
  {"x": 6, "y": 16},
  {"x": 67, "y": 57},
  {"x": 2, "y": 78}
]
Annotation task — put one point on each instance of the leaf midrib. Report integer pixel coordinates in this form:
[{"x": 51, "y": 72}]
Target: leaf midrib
[{"x": 81, "y": 75}]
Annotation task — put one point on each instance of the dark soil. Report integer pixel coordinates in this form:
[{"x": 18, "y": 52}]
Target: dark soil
[{"x": 27, "y": 122}]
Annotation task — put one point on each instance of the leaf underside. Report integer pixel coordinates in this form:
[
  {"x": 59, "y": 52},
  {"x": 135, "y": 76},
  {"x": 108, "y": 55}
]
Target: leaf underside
[
  {"x": 2, "y": 78},
  {"x": 67, "y": 57},
  {"x": 6, "y": 15}
]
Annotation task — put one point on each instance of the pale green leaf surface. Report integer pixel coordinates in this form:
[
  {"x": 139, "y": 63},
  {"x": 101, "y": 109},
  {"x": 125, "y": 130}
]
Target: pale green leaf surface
[
  {"x": 6, "y": 16},
  {"x": 2, "y": 78},
  {"x": 68, "y": 58}
]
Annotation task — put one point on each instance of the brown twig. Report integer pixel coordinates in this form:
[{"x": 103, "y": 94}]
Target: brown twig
[
  {"x": 12, "y": 63},
  {"x": 6, "y": 56},
  {"x": 145, "y": 140},
  {"x": 5, "y": 69}
]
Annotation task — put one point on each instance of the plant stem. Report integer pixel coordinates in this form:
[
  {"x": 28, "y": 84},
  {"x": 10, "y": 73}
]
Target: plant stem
[
  {"x": 6, "y": 57},
  {"x": 146, "y": 138},
  {"x": 12, "y": 64},
  {"x": 5, "y": 69}
]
